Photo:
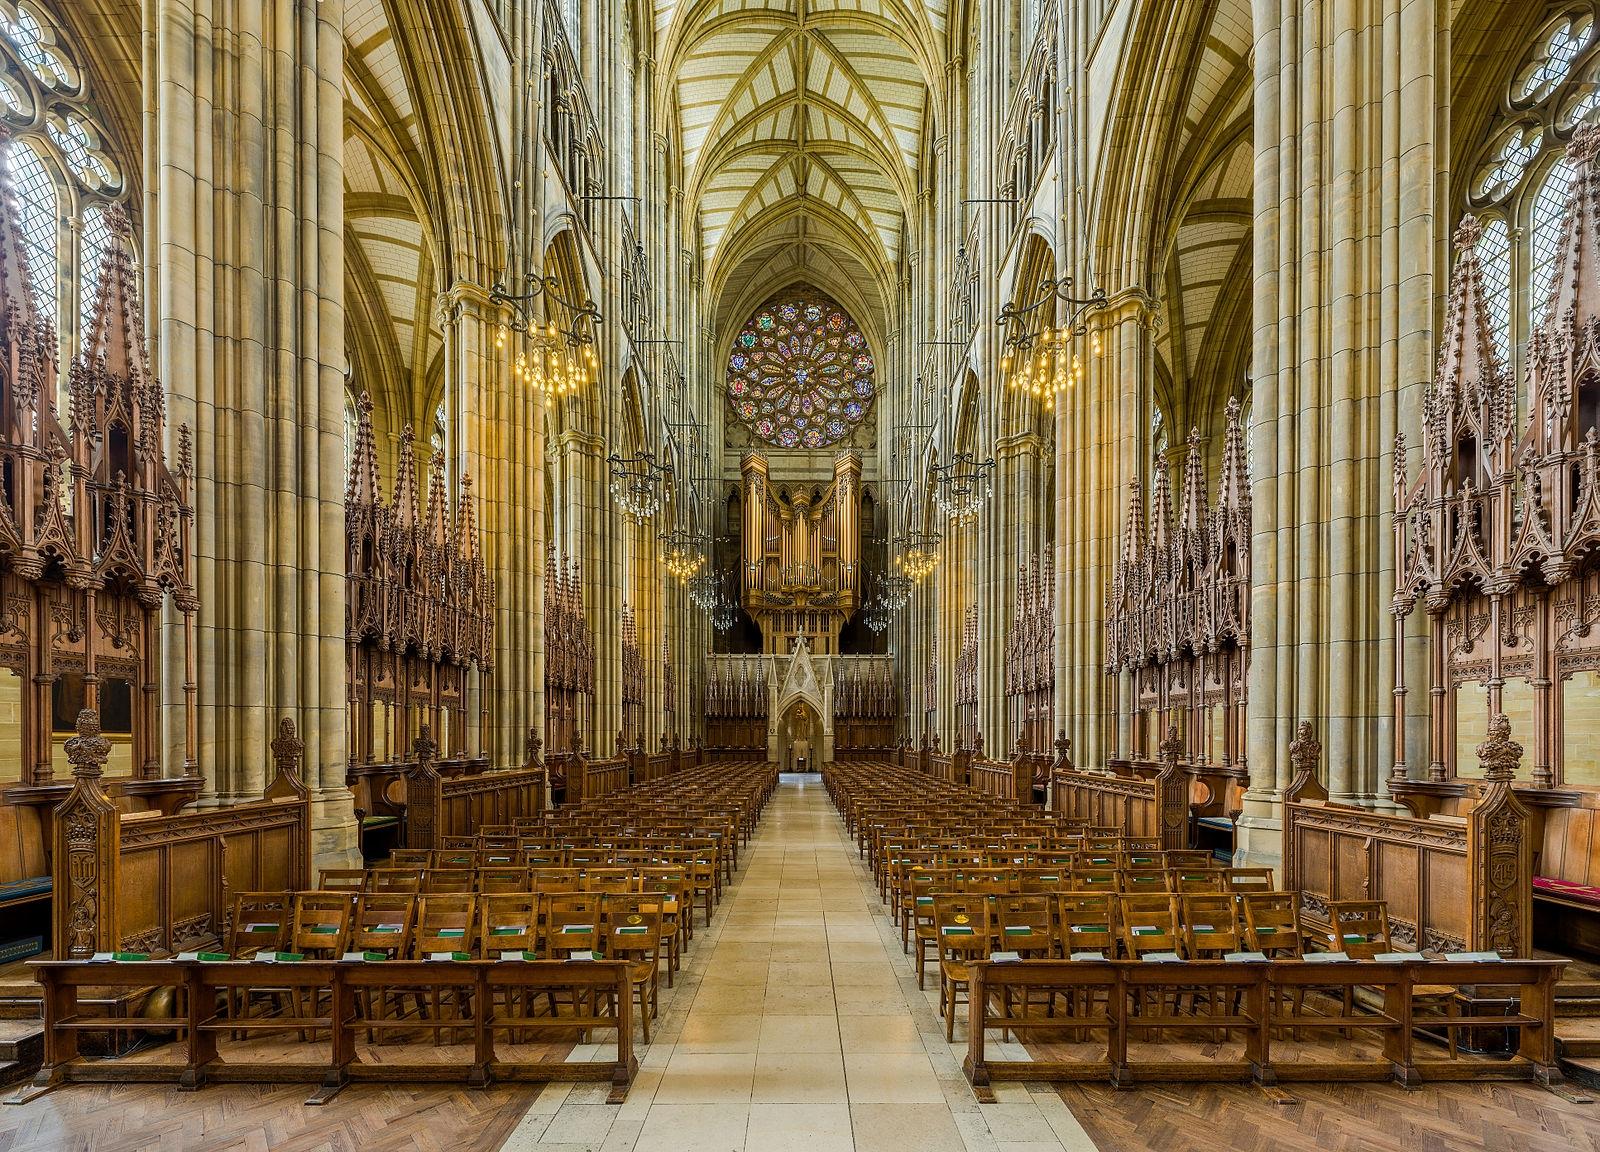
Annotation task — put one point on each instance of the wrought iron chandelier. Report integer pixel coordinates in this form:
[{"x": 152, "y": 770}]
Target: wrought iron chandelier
[
  {"x": 918, "y": 555},
  {"x": 703, "y": 590},
  {"x": 961, "y": 486},
  {"x": 895, "y": 589},
  {"x": 1048, "y": 362},
  {"x": 877, "y": 615},
  {"x": 556, "y": 359},
  {"x": 637, "y": 484},
  {"x": 683, "y": 552}
]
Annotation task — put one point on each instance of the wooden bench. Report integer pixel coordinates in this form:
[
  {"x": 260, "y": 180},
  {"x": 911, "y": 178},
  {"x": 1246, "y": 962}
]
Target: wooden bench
[
  {"x": 206, "y": 1048},
  {"x": 1266, "y": 1006}
]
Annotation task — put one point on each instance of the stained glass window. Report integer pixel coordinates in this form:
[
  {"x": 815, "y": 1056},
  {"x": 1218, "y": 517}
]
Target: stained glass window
[{"x": 800, "y": 374}]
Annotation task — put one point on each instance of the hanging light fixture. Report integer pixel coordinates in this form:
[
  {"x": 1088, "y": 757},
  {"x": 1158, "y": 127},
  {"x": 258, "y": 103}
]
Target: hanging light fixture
[
  {"x": 556, "y": 358},
  {"x": 895, "y": 589},
  {"x": 683, "y": 553},
  {"x": 917, "y": 555},
  {"x": 1047, "y": 362},
  {"x": 703, "y": 590},
  {"x": 637, "y": 484},
  {"x": 961, "y": 487}
]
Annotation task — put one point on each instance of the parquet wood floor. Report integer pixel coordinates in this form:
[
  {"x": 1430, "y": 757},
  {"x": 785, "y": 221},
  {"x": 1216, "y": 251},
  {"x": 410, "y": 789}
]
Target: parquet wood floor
[
  {"x": 265, "y": 1118},
  {"x": 1328, "y": 1117}
]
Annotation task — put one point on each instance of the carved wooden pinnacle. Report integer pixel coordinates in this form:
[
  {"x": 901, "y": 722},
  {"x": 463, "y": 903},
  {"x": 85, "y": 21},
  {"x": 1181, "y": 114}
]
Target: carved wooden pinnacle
[
  {"x": 423, "y": 745},
  {"x": 534, "y": 743},
  {"x": 1467, "y": 232},
  {"x": 1499, "y": 755},
  {"x": 88, "y": 751},
  {"x": 287, "y": 749},
  {"x": 1172, "y": 746},
  {"x": 1585, "y": 144},
  {"x": 1305, "y": 750}
]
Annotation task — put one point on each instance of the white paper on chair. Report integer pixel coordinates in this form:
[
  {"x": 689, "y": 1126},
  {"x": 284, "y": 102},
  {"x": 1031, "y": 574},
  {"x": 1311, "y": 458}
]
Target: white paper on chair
[
  {"x": 1004, "y": 957},
  {"x": 1162, "y": 958},
  {"x": 1246, "y": 958},
  {"x": 1473, "y": 957},
  {"x": 1088, "y": 956},
  {"x": 1326, "y": 957},
  {"x": 1397, "y": 957}
]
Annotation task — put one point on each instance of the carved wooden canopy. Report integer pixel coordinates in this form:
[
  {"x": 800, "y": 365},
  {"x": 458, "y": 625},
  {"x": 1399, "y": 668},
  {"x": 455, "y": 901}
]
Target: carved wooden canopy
[
  {"x": 419, "y": 600},
  {"x": 1182, "y": 589},
  {"x": 95, "y": 527},
  {"x": 1496, "y": 538},
  {"x": 1178, "y": 606}
]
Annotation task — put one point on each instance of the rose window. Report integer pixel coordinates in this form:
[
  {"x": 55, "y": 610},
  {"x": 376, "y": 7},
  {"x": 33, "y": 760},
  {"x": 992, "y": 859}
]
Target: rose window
[{"x": 800, "y": 374}]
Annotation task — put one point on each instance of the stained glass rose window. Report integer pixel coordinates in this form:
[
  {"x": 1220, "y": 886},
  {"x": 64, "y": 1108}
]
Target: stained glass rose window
[{"x": 799, "y": 373}]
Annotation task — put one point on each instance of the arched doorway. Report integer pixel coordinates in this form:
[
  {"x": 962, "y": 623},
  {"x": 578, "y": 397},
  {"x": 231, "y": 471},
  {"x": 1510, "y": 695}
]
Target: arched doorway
[{"x": 799, "y": 738}]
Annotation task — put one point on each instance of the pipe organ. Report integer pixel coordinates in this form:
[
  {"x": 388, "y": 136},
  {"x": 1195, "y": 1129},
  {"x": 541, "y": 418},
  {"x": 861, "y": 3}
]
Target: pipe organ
[{"x": 801, "y": 555}]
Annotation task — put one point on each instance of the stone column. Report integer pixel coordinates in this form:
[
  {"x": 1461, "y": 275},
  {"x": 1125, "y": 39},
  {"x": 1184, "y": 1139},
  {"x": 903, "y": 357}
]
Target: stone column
[{"x": 245, "y": 263}]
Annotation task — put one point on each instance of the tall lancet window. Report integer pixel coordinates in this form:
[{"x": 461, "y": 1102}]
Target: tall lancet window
[
  {"x": 1518, "y": 182},
  {"x": 59, "y": 167}
]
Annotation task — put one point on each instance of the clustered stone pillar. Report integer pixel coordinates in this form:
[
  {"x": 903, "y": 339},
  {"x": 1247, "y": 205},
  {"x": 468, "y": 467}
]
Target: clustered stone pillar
[{"x": 245, "y": 263}]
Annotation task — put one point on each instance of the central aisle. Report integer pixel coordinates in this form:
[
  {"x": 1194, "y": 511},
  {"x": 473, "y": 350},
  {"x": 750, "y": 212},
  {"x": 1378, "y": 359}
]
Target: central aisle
[{"x": 797, "y": 1025}]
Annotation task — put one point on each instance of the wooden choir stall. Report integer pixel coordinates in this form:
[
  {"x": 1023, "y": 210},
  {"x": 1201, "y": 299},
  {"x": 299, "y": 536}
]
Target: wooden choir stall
[
  {"x": 100, "y": 849},
  {"x": 1496, "y": 543},
  {"x": 1178, "y": 654},
  {"x": 419, "y": 628},
  {"x": 737, "y": 699}
]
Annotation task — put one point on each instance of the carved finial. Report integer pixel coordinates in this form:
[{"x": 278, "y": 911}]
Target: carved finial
[
  {"x": 1468, "y": 232},
  {"x": 1305, "y": 750},
  {"x": 1499, "y": 756},
  {"x": 638, "y": 744},
  {"x": 1585, "y": 144},
  {"x": 423, "y": 746},
  {"x": 533, "y": 744},
  {"x": 88, "y": 751},
  {"x": 287, "y": 749},
  {"x": 1172, "y": 746},
  {"x": 622, "y": 741},
  {"x": 977, "y": 744}
]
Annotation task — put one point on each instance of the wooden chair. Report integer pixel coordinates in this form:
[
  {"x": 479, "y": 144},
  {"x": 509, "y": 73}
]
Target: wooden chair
[
  {"x": 633, "y": 934},
  {"x": 410, "y": 858},
  {"x": 449, "y": 881},
  {"x": 341, "y": 879},
  {"x": 447, "y": 923},
  {"x": 1272, "y": 924},
  {"x": 677, "y": 909},
  {"x": 383, "y": 923},
  {"x": 394, "y": 880},
  {"x": 321, "y": 924},
  {"x": 1360, "y": 928},
  {"x": 260, "y": 923},
  {"x": 965, "y": 928},
  {"x": 508, "y": 922},
  {"x": 1149, "y": 923},
  {"x": 571, "y": 923},
  {"x": 1210, "y": 925},
  {"x": 503, "y": 878},
  {"x": 1249, "y": 879},
  {"x": 1087, "y": 922}
]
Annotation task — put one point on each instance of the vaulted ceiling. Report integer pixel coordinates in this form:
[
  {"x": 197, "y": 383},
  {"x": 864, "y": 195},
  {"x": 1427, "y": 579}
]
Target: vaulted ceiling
[{"x": 801, "y": 129}]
